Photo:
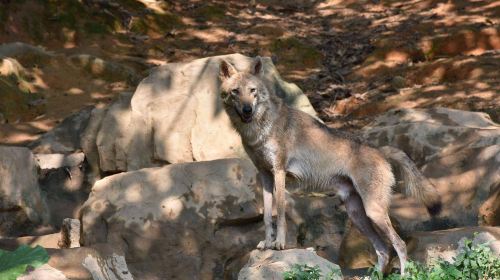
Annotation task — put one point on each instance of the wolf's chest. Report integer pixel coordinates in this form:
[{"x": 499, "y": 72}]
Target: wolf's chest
[{"x": 267, "y": 155}]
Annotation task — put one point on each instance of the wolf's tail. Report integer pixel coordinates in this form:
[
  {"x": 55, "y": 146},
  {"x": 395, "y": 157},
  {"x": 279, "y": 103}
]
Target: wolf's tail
[{"x": 416, "y": 184}]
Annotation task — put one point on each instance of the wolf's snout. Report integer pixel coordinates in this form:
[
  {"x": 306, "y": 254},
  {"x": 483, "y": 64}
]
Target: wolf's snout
[
  {"x": 246, "y": 113},
  {"x": 247, "y": 110}
]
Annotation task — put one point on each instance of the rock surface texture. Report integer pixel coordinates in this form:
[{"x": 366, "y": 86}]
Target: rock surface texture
[
  {"x": 270, "y": 264},
  {"x": 44, "y": 272},
  {"x": 64, "y": 138},
  {"x": 101, "y": 262},
  {"x": 70, "y": 233}
]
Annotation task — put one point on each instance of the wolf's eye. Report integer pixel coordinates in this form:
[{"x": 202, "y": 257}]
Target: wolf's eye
[
  {"x": 235, "y": 91},
  {"x": 253, "y": 90}
]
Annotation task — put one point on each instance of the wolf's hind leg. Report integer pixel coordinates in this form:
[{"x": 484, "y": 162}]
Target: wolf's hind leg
[
  {"x": 357, "y": 214},
  {"x": 380, "y": 218}
]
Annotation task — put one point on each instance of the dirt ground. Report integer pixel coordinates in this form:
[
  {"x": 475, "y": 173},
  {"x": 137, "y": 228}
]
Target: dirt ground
[{"x": 353, "y": 59}]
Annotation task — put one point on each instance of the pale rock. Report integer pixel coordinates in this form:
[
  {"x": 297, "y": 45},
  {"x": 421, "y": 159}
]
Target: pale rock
[
  {"x": 271, "y": 264},
  {"x": 44, "y": 272},
  {"x": 110, "y": 268},
  {"x": 64, "y": 138},
  {"x": 70, "y": 233},
  {"x": 54, "y": 161}
]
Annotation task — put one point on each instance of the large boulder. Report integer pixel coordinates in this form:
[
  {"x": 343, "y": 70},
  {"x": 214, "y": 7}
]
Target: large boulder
[
  {"x": 175, "y": 116},
  {"x": 177, "y": 220},
  {"x": 459, "y": 152},
  {"x": 423, "y": 133},
  {"x": 270, "y": 264},
  {"x": 21, "y": 202},
  {"x": 201, "y": 217}
]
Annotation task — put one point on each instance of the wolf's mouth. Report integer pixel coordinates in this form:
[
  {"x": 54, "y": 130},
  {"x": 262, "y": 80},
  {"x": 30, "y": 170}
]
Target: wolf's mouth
[{"x": 244, "y": 118}]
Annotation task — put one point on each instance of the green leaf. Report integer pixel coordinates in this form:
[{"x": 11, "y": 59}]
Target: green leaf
[
  {"x": 13, "y": 264},
  {"x": 455, "y": 273},
  {"x": 13, "y": 273}
]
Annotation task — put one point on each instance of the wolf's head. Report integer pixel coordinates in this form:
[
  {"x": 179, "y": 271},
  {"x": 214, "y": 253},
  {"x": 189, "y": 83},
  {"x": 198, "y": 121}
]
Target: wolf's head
[{"x": 244, "y": 92}]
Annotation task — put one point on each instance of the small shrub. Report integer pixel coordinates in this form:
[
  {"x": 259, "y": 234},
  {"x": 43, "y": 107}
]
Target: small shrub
[
  {"x": 302, "y": 272},
  {"x": 334, "y": 273},
  {"x": 475, "y": 262}
]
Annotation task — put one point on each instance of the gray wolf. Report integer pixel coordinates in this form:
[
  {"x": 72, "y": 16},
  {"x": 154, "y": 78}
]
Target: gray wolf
[{"x": 292, "y": 148}]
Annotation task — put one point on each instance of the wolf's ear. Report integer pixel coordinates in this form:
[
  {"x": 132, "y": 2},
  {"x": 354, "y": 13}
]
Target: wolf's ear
[
  {"x": 256, "y": 68},
  {"x": 226, "y": 70}
]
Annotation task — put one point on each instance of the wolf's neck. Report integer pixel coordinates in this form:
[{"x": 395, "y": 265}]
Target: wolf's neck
[{"x": 261, "y": 128}]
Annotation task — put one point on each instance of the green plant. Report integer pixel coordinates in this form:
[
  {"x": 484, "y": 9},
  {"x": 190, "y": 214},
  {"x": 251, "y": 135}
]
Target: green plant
[
  {"x": 334, "y": 273},
  {"x": 14, "y": 264},
  {"x": 302, "y": 272},
  {"x": 474, "y": 262},
  {"x": 306, "y": 272}
]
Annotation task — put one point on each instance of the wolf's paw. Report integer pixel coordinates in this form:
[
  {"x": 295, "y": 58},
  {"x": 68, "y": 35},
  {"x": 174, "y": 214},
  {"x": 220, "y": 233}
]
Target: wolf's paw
[
  {"x": 263, "y": 245},
  {"x": 279, "y": 244}
]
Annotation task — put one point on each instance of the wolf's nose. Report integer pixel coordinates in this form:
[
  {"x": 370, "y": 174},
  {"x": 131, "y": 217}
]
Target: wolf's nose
[{"x": 247, "y": 110}]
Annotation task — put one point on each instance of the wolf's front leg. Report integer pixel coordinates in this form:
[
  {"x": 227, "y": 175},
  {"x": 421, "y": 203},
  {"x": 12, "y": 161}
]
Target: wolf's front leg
[
  {"x": 279, "y": 184},
  {"x": 266, "y": 180}
]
